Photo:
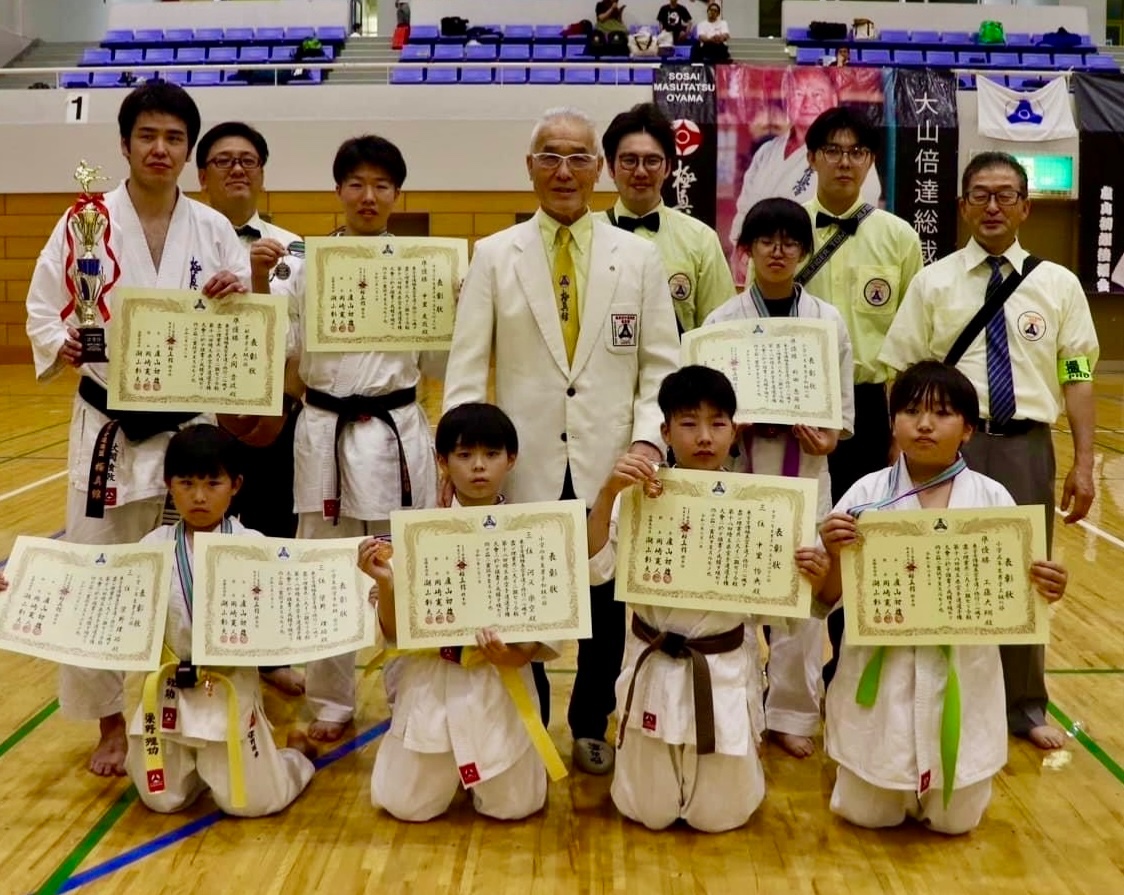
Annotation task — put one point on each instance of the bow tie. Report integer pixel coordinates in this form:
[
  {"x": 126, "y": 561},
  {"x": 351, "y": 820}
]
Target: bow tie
[
  {"x": 850, "y": 226},
  {"x": 648, "y": 222},
  {"x": 246, "y": 231}
]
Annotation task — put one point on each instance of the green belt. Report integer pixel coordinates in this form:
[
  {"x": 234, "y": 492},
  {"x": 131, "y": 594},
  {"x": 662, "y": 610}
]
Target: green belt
[{"x": 867, "y": 694}]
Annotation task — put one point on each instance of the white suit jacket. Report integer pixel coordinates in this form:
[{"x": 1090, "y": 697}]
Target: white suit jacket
[{"x": 585, "y": 415}]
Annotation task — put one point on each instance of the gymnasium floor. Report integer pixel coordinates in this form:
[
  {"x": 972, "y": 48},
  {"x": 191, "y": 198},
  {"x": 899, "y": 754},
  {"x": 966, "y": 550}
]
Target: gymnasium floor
[{"x": 1053, "y": 827}]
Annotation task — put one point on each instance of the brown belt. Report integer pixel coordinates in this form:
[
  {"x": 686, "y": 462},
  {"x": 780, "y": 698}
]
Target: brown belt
[{"x": 679, "y": 647}]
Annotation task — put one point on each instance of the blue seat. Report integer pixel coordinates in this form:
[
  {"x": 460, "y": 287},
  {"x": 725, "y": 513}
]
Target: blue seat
[
  {"x": 148, "y": 36},
  {"x": 415, "y": 53},
  {"x": 548, "y": 34},
  {"x": 966, "y": 82},
  {"x": 956, "y": 38},
  {"x": 407, "y": 74},
  {"x": 515, "y": 52},
  {"x": 546, "y": 53},
  {"x": 146, "y": 75},
  {"x": 253, "y": 55},
  {"x": 909, "y": 57},
  {"x": 128, "y": 57},
  {"x": 940, "y": 58},
  {"x": 577, "y": 54},
  {"x": 808, "y": 56},
  {"x": 448, "y": 53},
  {"x": 208, "y": 36},
  {"x": 106, "y": 79},
  {"x": 476, "y": 75},
  {"x": 281, "y": 54},
  {"x": 1101, "y": 63},
  {"x": 1037, "y": 60},
  {"x": 873, "y": 57},
  {"x": 493, "y": 35},
  {"x": 177, "y": 77},
  {"x": 643, "y": 75},
  {"x": 545, "y": 76},
  {"x": 235, "y": 78},
  {"x": 890, "y": 36},
  {"x": 308, "y": 77},
  {"x": 206, "y": 78},
  {"x": 159, "y": 55},
  {"x": 792, "y": 35},
  {"x": 96, "y": 56},
  {"x": 191, "y": 55},
  {"x": 925, "y": 37},
  {"x": 482, "y": 53},
  {"x": 1004, "y": 60},
  {"x": 1069, "y": 60},
  {"x": 295, "y": 34},
  {"x": 332, "y": 33},
  {"x": 237, "y": 35},
  {"x": 269, "y": 35},
  {"x": 972, "y": 57},
  {"x": 519, "y": 33},
  {"x": 1001, "y": 80},
  {"x": 681, "y": 53},
  {"x": 579, "y": 76},
  {"x": 1017, "y": 39},
  {"x": 614, "y": 76},
  {"x": 1086, "y": 42},
  {"x": 512, "y": 75},
  {"x": 423, "y": 34},
  {"x": 72, "y": 79},
  {"x": 222, "y": 55},
  {"x": 178, "y": 35},
  {"x": 1024, "y": 82},
  {"x": 117, "y": 37},
  {"x": 441, "y": 74}
]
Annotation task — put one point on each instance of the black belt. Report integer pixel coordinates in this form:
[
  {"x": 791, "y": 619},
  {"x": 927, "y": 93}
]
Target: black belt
[
  {"x": 360, "y": 408},
  {"x": 679, "y": 647},
  {"x": 137, "y": 425},
  {"x": 1011, "y": 427}
]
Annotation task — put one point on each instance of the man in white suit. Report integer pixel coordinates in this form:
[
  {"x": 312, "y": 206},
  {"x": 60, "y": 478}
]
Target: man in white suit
[{"x": 579, "y": 319}]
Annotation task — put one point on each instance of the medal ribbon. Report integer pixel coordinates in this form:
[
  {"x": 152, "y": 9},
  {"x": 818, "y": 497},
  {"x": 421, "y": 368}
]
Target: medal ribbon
[
  {"x": 183, "y": 562},
  {"x": 895, "y": 474},
  {"x": 97, "y": 201}
]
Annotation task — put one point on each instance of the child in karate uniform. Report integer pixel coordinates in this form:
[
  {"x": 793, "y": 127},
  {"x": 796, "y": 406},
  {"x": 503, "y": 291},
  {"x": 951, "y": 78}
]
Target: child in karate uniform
[
  {"x": 887, "y": 738},
  {"x": 454, "y": 723}
]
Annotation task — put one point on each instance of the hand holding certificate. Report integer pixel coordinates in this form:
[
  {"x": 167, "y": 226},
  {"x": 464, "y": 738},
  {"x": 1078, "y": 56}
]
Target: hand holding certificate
[
  {"x": 274, "y": 601},
  {"x": 522, "y": 569},
  {"x": 717, "y": 541},
  {"x": 937, "y": 577},
  {"x": 785, "y": 370},
  {"x": 382, "y": 293},
  {"x": 94, "y": 607}
]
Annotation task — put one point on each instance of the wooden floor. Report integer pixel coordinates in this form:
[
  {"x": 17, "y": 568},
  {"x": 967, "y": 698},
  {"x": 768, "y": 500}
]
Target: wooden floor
[{"x": 1051, "y": 828}]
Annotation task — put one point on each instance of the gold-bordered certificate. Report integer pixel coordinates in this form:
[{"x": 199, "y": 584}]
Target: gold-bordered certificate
[
  {"x": 932, "y": 577},
  {"x": 785, "y": 370},
  {"x": 175, "y": 350},
  {"x": 92, "y": 606},
  {"x": 522, "y": 569},
  {"x": 717, "y": 541},
  {"x": 382, "y": 293},
  {"x": 274, "y": 601}
]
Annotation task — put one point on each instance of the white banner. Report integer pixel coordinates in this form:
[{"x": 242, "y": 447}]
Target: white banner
[{"x": 1020, "y": 116}]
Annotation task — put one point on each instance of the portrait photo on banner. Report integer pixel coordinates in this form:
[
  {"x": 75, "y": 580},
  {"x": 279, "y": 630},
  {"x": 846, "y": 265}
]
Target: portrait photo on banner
[{"x": 763, "y": 116}]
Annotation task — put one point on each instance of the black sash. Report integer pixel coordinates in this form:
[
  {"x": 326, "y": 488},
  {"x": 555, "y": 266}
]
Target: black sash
[{"x": 818, "y": 260}]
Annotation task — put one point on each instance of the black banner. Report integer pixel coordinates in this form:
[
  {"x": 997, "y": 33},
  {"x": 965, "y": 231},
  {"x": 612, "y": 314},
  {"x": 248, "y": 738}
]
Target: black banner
[
  {"x": 921, "y": 149},
  {"x": 1100, "y": 181},
  {"x": 687, "y": 95}
]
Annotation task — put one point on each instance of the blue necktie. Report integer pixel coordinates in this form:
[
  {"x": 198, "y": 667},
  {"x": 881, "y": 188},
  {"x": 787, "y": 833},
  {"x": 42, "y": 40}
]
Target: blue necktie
[{"x": 1000, "y": 382}]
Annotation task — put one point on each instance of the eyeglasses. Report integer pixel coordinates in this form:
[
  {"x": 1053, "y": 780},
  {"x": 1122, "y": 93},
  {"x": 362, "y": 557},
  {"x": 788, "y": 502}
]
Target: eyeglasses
[
  {"x": 631, "y": 162},
  {"x": 980, "y": 196},
  {"x": 834, "y": 154},
  {"x": 226, "y": 162},
  {"x": 577, "y": 161},
  {"x": 769, "y": 245}
]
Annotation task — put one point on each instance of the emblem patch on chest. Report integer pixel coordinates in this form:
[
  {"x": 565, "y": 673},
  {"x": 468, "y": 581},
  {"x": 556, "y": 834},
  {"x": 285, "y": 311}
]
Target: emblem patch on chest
[
  {"x": 876, "y": 292},
  {"x": 680, "y": 286},
  {"x": 649, "y": 721},
  {"x": 1032, "y": 325},
  {"x": 626, "y": 328}
]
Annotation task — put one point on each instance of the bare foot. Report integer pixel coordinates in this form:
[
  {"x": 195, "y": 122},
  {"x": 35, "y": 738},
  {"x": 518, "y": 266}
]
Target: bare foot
[
  {"x": 297, "y": 740},
  {"x": 108, "y": 759},
  {"x": 288, "y": 680},
  {"x": 327, "y": 731},
  {"x": 1046, "y": 737},
  {"x": 796, "y": 746}
]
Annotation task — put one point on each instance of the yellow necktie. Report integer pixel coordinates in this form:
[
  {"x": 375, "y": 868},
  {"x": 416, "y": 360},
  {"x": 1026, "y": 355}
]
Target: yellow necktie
[{"x": 566, "y": 291}]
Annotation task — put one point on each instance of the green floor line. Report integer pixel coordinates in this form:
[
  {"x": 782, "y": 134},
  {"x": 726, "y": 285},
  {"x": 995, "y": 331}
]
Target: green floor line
[
  {"x": 29, "y": 725},
  {"x": 1085, "y": 670},
  {"x": 1087, "y": 741},
  {"x": 89, "y": 842}
]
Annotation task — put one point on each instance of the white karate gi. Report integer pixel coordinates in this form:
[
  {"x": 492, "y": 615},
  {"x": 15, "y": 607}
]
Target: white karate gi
[
  {"x": 369, "y": 473},
  {"x": 889, "y": 754},
  {"x": 770, "y": 174},
  {"x": 796, "y": 646},
  {"x": 200, "y": 243},
  {"x": 195, "y": 753},
  {"x": 659, "y": 775}
]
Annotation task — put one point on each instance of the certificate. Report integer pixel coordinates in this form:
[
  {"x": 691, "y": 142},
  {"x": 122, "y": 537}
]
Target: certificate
[
  {"x": 91, "y": 606},
  {"x": 522, "y": 569},
  {"x": 275, "y": 601},
  {"x": 178, "y": 351},
  {"x": 382, "y": 293},
  {"x": 717, "y": 541},
  {"x": 934, "y": 577},
  {"x": 785, "y": 370}
]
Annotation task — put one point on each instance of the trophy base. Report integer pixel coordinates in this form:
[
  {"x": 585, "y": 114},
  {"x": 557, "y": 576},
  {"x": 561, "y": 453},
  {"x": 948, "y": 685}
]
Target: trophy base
[{"x": 92, "y": 340}]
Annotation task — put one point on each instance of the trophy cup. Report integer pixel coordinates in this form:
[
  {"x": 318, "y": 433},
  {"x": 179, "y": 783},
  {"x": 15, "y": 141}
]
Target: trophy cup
[{"x": 87, "y": 222}]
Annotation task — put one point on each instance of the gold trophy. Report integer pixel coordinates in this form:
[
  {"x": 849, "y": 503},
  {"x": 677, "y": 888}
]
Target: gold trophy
[{"x": 87, "y": 222}]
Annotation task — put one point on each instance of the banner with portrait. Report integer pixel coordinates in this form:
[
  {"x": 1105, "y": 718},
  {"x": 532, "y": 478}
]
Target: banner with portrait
[
  {"x": 1100, "y": 118},
  {"x": 686, "y": 95}
]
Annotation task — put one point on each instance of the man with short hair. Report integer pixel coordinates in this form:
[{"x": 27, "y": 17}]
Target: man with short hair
[
  {"x": 639, "y": 146},
  {"x": 577, "y": 318},
  {"x": 1035, "y": 352},
  {"x": 160, "y": 239}
]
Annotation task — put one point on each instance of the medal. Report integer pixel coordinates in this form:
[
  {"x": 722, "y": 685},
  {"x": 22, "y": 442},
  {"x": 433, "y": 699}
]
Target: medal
[{"x": 282, "y": 270}]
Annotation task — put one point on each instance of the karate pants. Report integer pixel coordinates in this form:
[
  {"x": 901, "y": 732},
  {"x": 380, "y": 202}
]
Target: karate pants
[
  {"x": 273, "y": 779},
  {"x": 656, "y": 784},
  {"x": 419, "y": 786},
  {"x": 866, "y": 805},
  {"x": 87, "y": 694},
  {"x": 329, "y": 684},
  {"x": 795, "y": 676}
]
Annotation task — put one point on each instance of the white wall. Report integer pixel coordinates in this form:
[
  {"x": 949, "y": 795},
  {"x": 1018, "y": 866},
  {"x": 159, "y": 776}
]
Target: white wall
[
  {"x": 277, "y": 13},
  {"x": 945, "y": 17}
]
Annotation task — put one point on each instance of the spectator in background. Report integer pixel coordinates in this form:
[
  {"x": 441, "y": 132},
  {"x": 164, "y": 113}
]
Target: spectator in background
[
  {"x": 712, "y": 37},
  {"x": 675, "y": 19},
  {"x": 609, "y": 16}
]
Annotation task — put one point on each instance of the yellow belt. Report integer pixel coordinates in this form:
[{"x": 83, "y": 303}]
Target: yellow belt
[
  {"x": 470, "y": 657},
  {"x": 154, "y": 738}
]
